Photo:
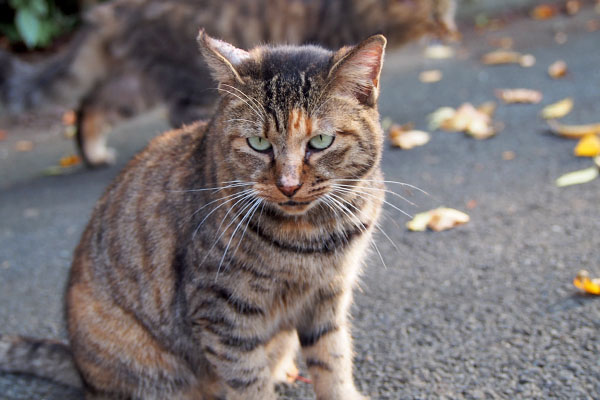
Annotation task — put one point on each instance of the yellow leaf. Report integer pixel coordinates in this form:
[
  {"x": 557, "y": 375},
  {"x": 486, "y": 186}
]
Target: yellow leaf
[
  {"x": 582, "y": 281},
  {"x": 69, "y": 161},
  {"x": 574, "y": 131},
  {"x": 544, "y": 11},
  {"x": 588, "y": 146},
  {"x": 578, "y": 177},
  {"x": 558, "y": 110}
]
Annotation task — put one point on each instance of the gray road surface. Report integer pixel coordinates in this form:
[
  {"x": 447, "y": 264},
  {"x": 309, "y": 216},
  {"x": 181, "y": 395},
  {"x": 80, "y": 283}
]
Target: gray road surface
[{"x": 484, "y": 311}]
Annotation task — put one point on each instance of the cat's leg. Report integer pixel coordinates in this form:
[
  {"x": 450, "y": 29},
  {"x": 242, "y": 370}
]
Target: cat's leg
[
  {"x": 92, "y": 128},
  {"x": 241, "y": 363},
  {"x": 117, "y": 356},
  {"x": 282, "y": 351},
  {"x": 327, "y": 348}
]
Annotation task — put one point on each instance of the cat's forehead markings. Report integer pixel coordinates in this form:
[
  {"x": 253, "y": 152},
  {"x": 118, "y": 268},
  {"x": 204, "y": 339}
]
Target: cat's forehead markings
[{"x": 299, "y": 123}]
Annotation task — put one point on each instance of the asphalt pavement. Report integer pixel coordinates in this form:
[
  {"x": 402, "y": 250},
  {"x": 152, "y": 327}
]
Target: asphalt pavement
[{"x": 483, "y": 311}]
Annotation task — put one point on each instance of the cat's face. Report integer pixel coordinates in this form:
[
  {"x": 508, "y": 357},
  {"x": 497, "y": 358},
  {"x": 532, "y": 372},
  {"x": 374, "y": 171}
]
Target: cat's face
[{"x": 298, "y": 120}]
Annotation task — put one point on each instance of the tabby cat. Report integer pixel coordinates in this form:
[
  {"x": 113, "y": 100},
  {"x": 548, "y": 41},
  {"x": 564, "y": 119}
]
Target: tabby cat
[
  {"x": 226, "y": 245},
  {"x": 135, "y": 54}
]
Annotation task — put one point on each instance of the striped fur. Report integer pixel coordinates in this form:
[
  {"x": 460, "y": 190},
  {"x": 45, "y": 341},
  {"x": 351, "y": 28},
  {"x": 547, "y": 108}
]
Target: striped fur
[
  {"x": 135, "y": 54},
  {"x": 185, "y": 293}
]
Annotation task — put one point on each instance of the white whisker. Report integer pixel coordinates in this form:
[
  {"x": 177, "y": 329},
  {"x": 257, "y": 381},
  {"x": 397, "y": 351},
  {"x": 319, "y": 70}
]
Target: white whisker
[
  {"x": 246, "y": 96},
  {"x": 231, "y": 184},
  {"x": 346, "y": 211},
  {"x": 247, "y": 202},
  {"x": 244, "y": 120},
  {"x": 376, "y": 224},
  {"x": 238, "y": 197},
  {"x": 248, "y": 216},
  {"x": 358, "y": 193},
  {"x": 384, "y": 181},
  {"x": 257, "y": 112},
  {"x": 235, "y": 195},
  {"x": 379, "y": 189}
]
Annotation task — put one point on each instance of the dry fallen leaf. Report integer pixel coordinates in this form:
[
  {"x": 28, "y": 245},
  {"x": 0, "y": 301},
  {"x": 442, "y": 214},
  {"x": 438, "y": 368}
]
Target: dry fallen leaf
[
  {"x": 488, "y": 108},
  {"x": 527, "y": 61},
  {"x": 439, "y": 219},
  {"x": 574, "y": 131},
  {"x": 544, "y": 11},
  {"x": 439, "y": 116},
  {"x": 578, "y": 177},
  {"x": 386, "y": 123},
  {"x": 558, "y": 110},
  {"x": 573, "y": 7},
  {"x": 592, "y": 25},
  {"x": 561, "y": 37},
  {"x": 558, "y": 69},
  {"x": 475, "y": 122},
  {"x": 2, "y": 135},
  {"x": 439, "y": 51},
  {"x": 419, "y": 222},
  {"x": 504, "y": 42},
  {"x": 511, "y": 96},
  {"x": 498, "y": 57},
  {"x": 508, "y": 155},
  {"x": 24, "y": 145},
  {"x": 69, "y": 118},
  {"x": 431, "y": 76},
  {"x": 69, "y": 161},
  {"x": 584, "y": 282},
  {"x": 407, "y": 139},
  {"x": 588, "y": 146}
]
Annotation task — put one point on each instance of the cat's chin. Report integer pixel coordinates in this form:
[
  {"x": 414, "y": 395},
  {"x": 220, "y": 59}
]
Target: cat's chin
[{"x": 295, "y": 208}]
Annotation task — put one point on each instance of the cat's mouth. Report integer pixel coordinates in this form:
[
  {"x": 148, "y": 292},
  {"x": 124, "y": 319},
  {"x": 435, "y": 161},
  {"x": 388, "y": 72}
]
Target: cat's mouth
[{"x": 295, "y": 203}]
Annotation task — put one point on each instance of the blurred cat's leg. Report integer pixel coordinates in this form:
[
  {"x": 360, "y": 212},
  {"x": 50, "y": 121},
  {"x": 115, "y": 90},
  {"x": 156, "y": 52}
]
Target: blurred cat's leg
[{"x": 111, "y": 102}]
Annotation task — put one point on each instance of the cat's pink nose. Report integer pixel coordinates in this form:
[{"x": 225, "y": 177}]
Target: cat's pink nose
[{"x": 289, "y": 190}]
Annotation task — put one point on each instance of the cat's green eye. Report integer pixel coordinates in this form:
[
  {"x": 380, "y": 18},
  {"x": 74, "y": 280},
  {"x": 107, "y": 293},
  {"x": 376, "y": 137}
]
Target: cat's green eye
[
  {"x": 321, "y": 142},
  {"x": 259, "y": 143}
]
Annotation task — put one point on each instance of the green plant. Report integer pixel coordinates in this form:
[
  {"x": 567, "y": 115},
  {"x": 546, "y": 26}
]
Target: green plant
[{"x": 36, "y": 22}]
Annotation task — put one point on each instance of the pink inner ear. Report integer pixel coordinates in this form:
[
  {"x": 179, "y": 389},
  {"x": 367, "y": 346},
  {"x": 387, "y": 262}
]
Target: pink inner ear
[
  {"x": 372, "y": 59},
  {"x": 232, "y": 53}
]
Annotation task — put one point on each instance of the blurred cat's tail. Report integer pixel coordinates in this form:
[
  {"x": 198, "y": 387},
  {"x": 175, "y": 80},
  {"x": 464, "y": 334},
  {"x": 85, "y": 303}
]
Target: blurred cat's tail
[{"x": 43, "y": 358}]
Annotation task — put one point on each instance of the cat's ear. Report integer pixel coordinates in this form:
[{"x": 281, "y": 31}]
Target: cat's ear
[
  {"x": 222, "y": 58},
  {"x": 356, "y": 69}
]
